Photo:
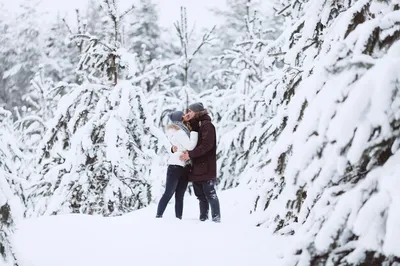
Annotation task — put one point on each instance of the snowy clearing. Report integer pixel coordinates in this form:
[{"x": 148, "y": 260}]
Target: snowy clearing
[{"x": 140, "y": 239}]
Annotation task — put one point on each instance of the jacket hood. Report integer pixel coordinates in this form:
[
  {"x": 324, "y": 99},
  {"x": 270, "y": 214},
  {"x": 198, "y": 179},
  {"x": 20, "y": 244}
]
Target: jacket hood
[{"x": 202, "y": 115}]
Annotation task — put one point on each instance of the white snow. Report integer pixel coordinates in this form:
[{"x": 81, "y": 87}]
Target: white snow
[
  {"x": 140, "y": 239},
  {"x": 306, "y": 121}
]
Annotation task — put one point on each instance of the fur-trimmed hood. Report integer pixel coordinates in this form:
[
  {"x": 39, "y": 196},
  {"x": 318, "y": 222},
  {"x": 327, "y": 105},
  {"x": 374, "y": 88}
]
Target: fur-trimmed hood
[{"x": 202, "y": 115}]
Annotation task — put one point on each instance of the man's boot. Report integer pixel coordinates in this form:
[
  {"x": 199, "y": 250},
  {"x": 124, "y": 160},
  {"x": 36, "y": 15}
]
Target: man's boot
[{"x": 204, "y": 207}]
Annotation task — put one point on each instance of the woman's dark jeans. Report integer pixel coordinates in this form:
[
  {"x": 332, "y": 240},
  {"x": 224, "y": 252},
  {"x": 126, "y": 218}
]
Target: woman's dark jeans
[{"x": 177, "y": 182}]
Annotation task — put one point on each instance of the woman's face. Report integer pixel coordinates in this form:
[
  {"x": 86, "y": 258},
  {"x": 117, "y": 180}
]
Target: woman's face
[{"x": 189, "y": 116}]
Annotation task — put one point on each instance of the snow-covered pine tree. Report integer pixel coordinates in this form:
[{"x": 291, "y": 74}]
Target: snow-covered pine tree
[
  {"x": 38, "y": 47},
  {"x": 99, "y": 148},
  {"x": 54, "y": 77},
  {"x": 189, "y": 49},
  {"x": 42, "y": 96},
  {"x": 240, "y": 21},
  {"x": 234, "y": 22},
  {"x": 91, "y": 20},
  {"x": 98, "y": 22},
  {"x": 237, "y": 101},
  {"x": 142, "y": 33},
  {"x": 11, "y": 207},
  {"x": 329, "y": 171},
  {"x": 4, "y": 95},
  {"x": 234, "y": 27},
  {"x": 19, "y": 53},
  {"x": 151, "y": 55},
  {"x": 61, "y": 56}
]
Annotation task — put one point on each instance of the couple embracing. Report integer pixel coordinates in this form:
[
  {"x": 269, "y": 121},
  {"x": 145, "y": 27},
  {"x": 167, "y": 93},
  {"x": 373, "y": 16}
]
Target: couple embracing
[{"x": 193, "y": 158}]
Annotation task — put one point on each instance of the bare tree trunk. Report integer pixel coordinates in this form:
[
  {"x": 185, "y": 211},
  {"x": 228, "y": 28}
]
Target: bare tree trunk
[
  {"x": 113, "y": 57},
  {"x": 114, "y": 68}
]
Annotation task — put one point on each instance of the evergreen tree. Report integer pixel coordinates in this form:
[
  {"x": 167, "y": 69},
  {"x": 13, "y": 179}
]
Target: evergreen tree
[
  {"x": 237, "y": 101},
  {"x": 96, "y": 22},
  {"x": 239, "y": 14},
  {"x": 29, "y": 47},
  {"x": 42, "y": 97},
  {"x": 331, "y": 145},
  {"x": 234, "y": 22},
  {"x": 20, "y": 54},
  {"x": 11, "y": 207},
  {"x": 3, "y": 59},
  {"x": 189, "y": 50},
  {"x": 60, "y": 55},
  {"x": 99, "y": 148},
  {"x": 307, "y": 126},
  {"x": 142, "y": 31}
]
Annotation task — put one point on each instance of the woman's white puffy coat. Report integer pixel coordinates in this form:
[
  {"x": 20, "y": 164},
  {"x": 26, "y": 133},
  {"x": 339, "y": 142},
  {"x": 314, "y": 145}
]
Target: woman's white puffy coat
[{"x": 182, "y": 141}]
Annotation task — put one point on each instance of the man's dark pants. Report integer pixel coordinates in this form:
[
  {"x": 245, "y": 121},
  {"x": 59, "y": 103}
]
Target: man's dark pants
[{"x": 206, "y": 194}]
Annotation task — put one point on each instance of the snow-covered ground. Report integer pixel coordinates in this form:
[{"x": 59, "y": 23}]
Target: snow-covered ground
[{"x": 140, "y": 239}]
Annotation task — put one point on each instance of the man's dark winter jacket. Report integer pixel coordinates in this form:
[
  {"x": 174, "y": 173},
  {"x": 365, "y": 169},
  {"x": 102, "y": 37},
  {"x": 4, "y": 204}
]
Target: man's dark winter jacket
[{"x": 204, "y": 156}]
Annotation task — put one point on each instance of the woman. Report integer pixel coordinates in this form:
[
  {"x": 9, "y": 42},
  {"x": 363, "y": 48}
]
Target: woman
[{"x": 177, "y": 173}]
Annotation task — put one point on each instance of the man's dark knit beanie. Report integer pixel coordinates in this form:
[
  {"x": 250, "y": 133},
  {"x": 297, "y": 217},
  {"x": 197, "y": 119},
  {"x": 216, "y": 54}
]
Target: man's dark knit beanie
[{"x": 196, "y": 107}]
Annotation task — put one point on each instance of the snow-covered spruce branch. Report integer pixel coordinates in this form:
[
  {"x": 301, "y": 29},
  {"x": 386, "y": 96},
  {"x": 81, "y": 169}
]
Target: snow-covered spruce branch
[
  {"x": 93, "y": 40},
  {"x": 206, "y": 39}
]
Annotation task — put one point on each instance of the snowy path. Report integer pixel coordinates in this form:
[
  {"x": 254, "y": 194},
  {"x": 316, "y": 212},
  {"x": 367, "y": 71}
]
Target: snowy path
[{"x": 140, "y": 239}]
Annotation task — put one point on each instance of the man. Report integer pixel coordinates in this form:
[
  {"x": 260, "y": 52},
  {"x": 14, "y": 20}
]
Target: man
[{"x": 204, "y": 160}]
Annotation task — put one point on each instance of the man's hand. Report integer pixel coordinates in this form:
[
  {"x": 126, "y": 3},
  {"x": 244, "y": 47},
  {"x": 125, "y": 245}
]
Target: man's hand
[
  {"x": 184, "y": 156},
  {"x": 174, "y": 149}
]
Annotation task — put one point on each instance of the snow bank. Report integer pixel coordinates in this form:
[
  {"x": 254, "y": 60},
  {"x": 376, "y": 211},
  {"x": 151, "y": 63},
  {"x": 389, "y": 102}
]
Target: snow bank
[{"x": 140, "y": 239}]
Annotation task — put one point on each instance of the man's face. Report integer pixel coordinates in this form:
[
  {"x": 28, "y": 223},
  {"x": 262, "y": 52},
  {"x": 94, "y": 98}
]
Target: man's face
[{"x": 189, "y": 116}]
